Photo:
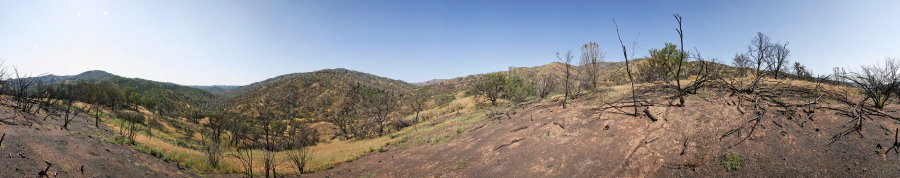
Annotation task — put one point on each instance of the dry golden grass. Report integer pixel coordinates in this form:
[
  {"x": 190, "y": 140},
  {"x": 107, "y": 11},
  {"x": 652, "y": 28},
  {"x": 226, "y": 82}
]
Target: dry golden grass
[
  {"x": 158, "y": 146},
  {"x": 324, "y": 155},
  {"x": 459, "y": 114}
]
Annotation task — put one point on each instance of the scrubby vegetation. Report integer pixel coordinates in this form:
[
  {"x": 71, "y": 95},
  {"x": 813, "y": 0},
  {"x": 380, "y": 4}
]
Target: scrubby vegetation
[
  {"x": 307, "y": 122},
  {"x": 732, "y": 161}
]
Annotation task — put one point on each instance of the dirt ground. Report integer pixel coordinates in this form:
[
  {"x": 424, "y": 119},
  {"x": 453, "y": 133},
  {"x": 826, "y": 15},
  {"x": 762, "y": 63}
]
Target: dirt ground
[
  {"x": 82, "y": 151},
  {"x": 590, "y": 139}
]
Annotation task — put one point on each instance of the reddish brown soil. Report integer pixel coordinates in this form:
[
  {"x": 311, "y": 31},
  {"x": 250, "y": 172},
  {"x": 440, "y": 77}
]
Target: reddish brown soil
[
  {"x": 539, "y": 140},
  {"x": 30, "y": 142},
  {"x": 543, "y": 140}
]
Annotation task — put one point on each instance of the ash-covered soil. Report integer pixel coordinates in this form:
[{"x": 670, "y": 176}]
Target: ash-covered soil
[
  {"x": 595, "y": 139},
  {"x": 80, "y": 151}
]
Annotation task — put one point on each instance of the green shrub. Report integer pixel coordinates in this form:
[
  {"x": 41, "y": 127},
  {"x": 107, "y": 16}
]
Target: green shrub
[
  {"x": 443, "y": 99},
  {"x": 459, "y": 165},
  {"x": 495, "y": 86},
  {"x": 518, "y": 89},
  {"x": 732, "y": 161}
]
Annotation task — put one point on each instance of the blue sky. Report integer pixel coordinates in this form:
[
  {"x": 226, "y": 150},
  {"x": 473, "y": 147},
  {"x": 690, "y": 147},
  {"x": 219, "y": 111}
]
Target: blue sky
[{"x": 239, "y": 42}]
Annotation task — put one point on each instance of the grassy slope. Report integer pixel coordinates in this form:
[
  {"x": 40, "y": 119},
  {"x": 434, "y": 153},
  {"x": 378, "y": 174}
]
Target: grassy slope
[
  {"x": 170, "y": 143},
  {"x": 319, "y": 90},
  {"x": 151, "y": 91},
  {"x": 638, "y": 147}
]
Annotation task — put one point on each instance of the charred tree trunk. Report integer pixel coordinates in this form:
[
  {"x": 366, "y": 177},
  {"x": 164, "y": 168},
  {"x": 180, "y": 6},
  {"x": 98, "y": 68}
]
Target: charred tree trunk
[
  {"x": 628, "y": 70},
  {"x": 649, "y": 115},
  {"x": 567, "y": 60},
  {"x": 681, "y": 59}
]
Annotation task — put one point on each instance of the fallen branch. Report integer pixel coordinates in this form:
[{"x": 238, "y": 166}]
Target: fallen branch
[
  {"x": 850, "y": 130},
  {"x": 651, "y": 140},
  {"x": 752, "y": 129},
  {"x": 685, "y": 144},
  {"x": 809, "y": 117},
  {"x": 649, "y": 115},
  {"x": 560, "y": 125},
  {"x": 880, "y": 113},
  {"x": 805, "y": 104},
  {"x": 691, "y": 166},
  {"x": 44, "y": 172},
  {"x": 896, "y": 144},
  {"x": 732, "y": 131},
  {"x": 510, "y": 143},
  {"x": 518, "y": 129},
  {"x": 886, "y": 130}
]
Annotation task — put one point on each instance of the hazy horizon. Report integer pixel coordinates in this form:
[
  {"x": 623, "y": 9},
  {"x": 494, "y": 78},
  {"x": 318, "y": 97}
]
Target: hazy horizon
[{"x": 241, "y": 42}]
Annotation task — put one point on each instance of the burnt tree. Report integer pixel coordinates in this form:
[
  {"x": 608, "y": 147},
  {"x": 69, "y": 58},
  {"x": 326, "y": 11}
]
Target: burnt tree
[
  {"x": 760, "y": 50},
  {"x": 70, "y": 111},
  {"x": 878, "y": 82},
  {"x": 567, "y": 61},
  {"x": 545, "y": 86},
  {"x": 591, "y": 56},
  {"x": 628, "y": 68},
  {"x": 681, "y": 59}
]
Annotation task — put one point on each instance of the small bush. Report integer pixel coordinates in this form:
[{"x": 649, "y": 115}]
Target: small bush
[
  {"x": 732, "y": 161},
  {"x": 382, "y": 149},
  {"x": 459, "y": 165},
  {"x": 443, "y": 99}
]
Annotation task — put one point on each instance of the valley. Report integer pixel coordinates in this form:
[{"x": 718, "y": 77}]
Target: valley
[{"x": 460, "y": 88}]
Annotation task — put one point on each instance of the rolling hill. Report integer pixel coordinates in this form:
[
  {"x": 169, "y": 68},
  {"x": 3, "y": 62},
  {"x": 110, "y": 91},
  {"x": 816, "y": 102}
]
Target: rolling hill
[
  {"x": 152, "y": 94},
  {"x": 317, "y": 91},
  {"x": 215, "y": 89}
]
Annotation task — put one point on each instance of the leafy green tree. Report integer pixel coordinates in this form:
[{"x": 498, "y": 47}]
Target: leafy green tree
[
  {"x": 495, "y": 86},
  {"x": 518, "y": 89},
  {"x": 417, "y": 100},
  {"x": 663, "y": 63},
  {"x": 491, "y": 86}
]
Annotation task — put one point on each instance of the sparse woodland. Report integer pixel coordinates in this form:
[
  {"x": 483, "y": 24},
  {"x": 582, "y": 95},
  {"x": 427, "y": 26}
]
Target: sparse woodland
[{"x": 270, "y": 129}]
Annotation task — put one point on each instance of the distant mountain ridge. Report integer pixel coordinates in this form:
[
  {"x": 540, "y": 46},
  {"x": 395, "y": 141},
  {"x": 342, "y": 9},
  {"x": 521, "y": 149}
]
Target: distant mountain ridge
[
  {"x": 91, "y": 76},
  {"x": 152, "y": 94},
  {"x": 215, "y": 89},
  {"x": 430, "y": 82},
  {"x": 317, "y": 90},
  {"x": 320, "y": 89}
]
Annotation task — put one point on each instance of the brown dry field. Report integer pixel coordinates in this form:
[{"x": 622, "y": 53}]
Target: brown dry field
[
  {"x": 591, "y": 140},
  {"x": 31, "y": 141},
  {"x": 594, "y": 137}
]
